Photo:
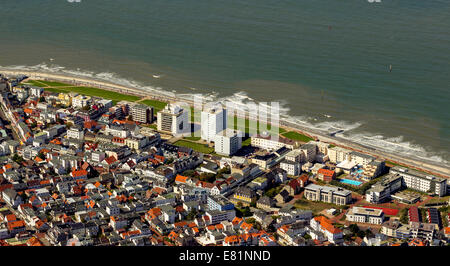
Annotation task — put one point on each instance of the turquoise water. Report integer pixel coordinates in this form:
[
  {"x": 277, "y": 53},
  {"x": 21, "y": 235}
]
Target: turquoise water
[
  {"x": 327, "y": 61},
  {"x": 350, "y": 182}
]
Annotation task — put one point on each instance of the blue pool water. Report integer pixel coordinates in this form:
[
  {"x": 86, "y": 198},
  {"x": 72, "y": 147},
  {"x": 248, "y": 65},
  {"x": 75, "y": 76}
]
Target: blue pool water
[{"x": 351, "y": 182}]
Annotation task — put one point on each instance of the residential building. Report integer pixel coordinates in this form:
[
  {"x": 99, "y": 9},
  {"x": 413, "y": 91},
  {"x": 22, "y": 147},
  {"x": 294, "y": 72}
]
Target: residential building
[
  {"x": 213, "y": 121},
  {"x": 326, "y": 175},
  {"x": 338, "y": 196},
  {"x": 291, "y": 167},
  {"x": 219, "y": 202},
  {"x": 309, "y": 151},
  {"x": 324, "y": 225},
  {"x": 382, "y": 190},
  {"x": 244, "y": 195},
  {"x": 269, "y": 143},
  {"x": 141, "y": 113},
  {"x": 75, "y": 133},
  {"x": 173, "y": 119},
  {"x": 421, "y": 181},
  {"x": 365, "y": 215},
  {"x": 360, "y": 158},
  {"x": 338, "y": 154},
  {"x": 227, "y": 142},
  {"x": 81, "y": 101},
  {"x": 423, "y": 231}
]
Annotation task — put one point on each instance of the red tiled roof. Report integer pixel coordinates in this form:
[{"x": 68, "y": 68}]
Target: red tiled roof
[
  {"x": 78, "y": 173},
  {"x": 327, "y": 225},
  {"x": 180, "y": 178},
  {"x": 326, "y": 172}
]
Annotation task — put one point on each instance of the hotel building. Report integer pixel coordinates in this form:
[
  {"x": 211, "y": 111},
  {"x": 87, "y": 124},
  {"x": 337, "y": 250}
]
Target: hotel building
[
  {"x": 338, "y": 196},
  {"x": 421, "y": 181}
]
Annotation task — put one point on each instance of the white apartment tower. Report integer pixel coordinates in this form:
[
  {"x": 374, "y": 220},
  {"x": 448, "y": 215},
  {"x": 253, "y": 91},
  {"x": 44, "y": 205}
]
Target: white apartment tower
[
  {"x": 227, "y": 142},
  {"x": 173, "y": 119},
  {"x": 213, "y": 121}
]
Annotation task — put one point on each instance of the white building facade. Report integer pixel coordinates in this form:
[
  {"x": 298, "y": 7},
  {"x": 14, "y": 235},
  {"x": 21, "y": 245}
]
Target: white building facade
[{"x": 213, "y": 121}]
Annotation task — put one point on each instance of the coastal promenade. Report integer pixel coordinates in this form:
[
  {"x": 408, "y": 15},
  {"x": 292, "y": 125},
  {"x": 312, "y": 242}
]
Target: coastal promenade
[{"x": 417, "y": 163}]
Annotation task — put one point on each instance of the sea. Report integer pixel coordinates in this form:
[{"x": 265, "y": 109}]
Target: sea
[{"x": 379, "y": 70}]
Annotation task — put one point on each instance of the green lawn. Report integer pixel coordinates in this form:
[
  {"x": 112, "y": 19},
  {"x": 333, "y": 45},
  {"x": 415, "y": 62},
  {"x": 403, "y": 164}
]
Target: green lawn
[
  {"x": 246, "y": 142},
  {"x": 61, "y": 90},
  {"x": 192, "y": 138},
  {"x": 157, "y": 105},
  {"x": 315, "y": 206},
  {"x": 195, "y": 146},
  {"x": 296, "y": 136},
  {"x": 111, "y": 95}
]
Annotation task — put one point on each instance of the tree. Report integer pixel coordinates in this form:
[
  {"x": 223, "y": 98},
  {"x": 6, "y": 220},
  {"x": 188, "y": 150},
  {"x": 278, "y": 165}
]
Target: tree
[
  {"x": 361, "y": 234},
  {"x": 404, "y": 216},
  {"x": 347, "y": 237},
  {"x": 207, "y": 177},
  {"x": 192, "y": 214},
  {"x": 189, "y": 173},
  {"x": 41, "y": 155},
  {"x": 17, "y": 158},
  {"x": 369, "y": 233},
  {"x": 354, "y": 228},
  {"x": 69, "y": 125}
]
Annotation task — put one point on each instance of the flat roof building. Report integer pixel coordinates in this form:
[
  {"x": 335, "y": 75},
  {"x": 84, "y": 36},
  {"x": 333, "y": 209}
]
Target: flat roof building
[
  {"x": 365, "y": 215},
  {"x": 338, "y": 196},
  {"x": 422, "y": 181}
]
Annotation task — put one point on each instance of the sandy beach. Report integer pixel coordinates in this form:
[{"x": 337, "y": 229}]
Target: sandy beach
[{"x": 435, "y": 169}]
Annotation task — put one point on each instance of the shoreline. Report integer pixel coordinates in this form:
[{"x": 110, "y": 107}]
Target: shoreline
[{"x": 414, "y": 163}]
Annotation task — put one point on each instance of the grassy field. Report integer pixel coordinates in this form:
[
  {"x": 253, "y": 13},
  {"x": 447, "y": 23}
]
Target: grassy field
[
  {"x": 191, "y": 138},
  {"x": 157, "y": 105},
  {"x": 438, "y": 199},
  {"x": 315, "y": 206},
  {"x": 195, "y": 146},
  {"x": 246, "y": 142},
  {"x": 296, "y": 136}
]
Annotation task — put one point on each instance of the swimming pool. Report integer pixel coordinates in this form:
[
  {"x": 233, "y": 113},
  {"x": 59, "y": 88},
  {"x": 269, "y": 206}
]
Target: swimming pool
[{"x": 350, "y": 182}]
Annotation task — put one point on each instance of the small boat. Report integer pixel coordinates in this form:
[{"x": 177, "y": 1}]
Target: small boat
[
  {"x": 328, "y": 116},
  {"x": 51, "y": 59},
  {"x": 390, "y": 68},
  {"x": 156, "y": 76}
]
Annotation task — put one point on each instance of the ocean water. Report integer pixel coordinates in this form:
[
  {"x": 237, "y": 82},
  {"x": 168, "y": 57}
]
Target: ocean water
[{"x": 326, "y": 61}]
